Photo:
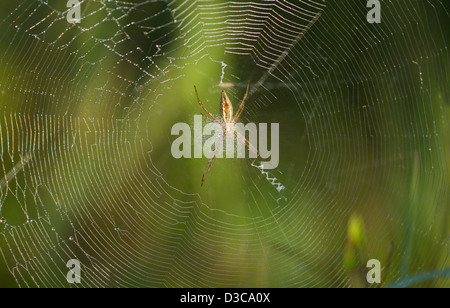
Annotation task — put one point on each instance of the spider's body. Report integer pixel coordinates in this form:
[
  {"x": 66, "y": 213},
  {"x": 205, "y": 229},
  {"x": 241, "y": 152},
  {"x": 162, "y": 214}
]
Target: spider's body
[
  {"x": 226, "y": 109},
  {"x": 227, "y": 121}
]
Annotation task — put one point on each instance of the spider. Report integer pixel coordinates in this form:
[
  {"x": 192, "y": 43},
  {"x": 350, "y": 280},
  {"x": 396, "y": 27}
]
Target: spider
[{"x": 226, "y": 120}]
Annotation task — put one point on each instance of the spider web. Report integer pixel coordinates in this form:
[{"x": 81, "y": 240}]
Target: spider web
[{"x": 86, "y": 112}]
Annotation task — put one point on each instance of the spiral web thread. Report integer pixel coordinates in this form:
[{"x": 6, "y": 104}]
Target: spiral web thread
[{"x": 84, "y": 148}]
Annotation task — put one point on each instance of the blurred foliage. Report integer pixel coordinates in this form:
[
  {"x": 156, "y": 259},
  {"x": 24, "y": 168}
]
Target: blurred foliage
[{"x": 397, "y": 214}]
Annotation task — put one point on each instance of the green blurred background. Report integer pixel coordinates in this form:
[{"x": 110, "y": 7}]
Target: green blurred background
[{"x": 86, "y": 112}]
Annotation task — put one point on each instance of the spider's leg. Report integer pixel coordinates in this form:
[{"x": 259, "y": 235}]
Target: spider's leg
[
  {"x": 200, "y": 103},
  {"x": 208, "y": 118},
  {"x": 210, "y": 162},
  {"x": 247, "y": 144},
  {"x": 208, "y": 168},
  {"x": 242, "y": 105}
]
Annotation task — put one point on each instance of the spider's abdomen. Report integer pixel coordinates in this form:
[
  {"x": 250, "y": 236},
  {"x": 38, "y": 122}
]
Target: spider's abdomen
[{"x": 226, "y": 109}]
